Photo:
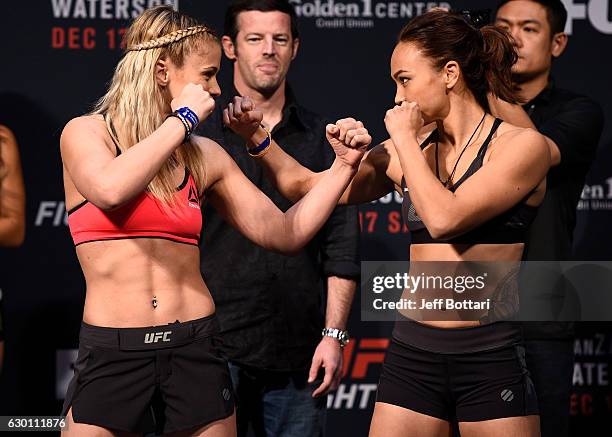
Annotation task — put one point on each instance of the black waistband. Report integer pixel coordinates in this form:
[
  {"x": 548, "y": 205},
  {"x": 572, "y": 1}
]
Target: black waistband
[
  {"x": 457, "y": 340},
  {"x": 481, "y": 235},
  {"x": 149, "y": 338}
]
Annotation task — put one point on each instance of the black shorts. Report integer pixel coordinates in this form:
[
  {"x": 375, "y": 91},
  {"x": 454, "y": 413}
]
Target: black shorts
[
  {"x": 165, "y": 378},
  {"x": 464, "y": 387}
]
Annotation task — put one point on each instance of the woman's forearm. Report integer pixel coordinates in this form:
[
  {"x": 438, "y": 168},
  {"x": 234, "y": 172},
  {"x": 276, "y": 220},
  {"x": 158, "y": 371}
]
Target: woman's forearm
[
  {"x": 127, "y": 175},
  {"x": 304, "y": 219},
  {"x": 426, "y": 193},
  {"x": 130, "y": 173},
  {"x": 290, "y": 178}
]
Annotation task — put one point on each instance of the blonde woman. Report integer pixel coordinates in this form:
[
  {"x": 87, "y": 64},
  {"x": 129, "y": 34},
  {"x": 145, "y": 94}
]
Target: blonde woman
[
  {"x": 134, "y": 180},
  {"x": 12, "y": 204}
]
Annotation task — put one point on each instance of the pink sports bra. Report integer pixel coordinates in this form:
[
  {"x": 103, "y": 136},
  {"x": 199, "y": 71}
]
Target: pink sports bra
[{"x": 143, "y": 217}]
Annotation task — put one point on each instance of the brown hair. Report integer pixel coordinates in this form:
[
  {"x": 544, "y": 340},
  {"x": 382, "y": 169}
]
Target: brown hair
[{"x": 485, "y": 56}]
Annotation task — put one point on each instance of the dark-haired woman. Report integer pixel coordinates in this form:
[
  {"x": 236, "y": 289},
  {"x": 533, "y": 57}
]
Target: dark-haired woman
[{"x": 471, "y": 189}]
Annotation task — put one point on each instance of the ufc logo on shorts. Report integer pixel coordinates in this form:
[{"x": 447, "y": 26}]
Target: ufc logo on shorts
[{"x": 154, "y": 337}]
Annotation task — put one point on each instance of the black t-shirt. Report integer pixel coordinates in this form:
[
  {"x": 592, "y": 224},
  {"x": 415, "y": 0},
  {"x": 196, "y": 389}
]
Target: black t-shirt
[
  {"x": 270, "y": 305},
  {"x": 574, "y": 123}
]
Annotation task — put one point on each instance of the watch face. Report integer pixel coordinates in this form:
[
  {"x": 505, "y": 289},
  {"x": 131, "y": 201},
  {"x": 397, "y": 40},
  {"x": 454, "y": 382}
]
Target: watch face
[{"x": 343, "y": 337}]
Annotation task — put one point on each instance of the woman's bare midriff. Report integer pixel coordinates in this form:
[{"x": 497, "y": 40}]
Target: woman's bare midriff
[
  {"x": 124, "y": 276},
  {"x": 463, "y": 252}
]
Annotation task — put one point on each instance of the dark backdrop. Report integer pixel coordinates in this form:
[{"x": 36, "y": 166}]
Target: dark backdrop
[{"x": 57, "y": 57}]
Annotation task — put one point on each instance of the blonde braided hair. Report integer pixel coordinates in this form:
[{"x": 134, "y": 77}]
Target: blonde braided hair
[
  {"x": 136, "y": 105},
  {"x": 169, "y": 38}
]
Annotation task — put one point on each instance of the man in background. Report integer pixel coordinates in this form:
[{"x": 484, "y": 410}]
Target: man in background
[{"x": 269, "y": 305}]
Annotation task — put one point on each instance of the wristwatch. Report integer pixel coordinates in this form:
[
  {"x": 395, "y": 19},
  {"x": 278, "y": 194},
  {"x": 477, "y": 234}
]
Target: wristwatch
[{"x": 338, "y": 334}]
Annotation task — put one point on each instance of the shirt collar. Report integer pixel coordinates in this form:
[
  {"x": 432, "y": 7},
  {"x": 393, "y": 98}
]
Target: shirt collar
[
  {"x": 545, "y": 95},
  {"x": 292, "y": 112}
]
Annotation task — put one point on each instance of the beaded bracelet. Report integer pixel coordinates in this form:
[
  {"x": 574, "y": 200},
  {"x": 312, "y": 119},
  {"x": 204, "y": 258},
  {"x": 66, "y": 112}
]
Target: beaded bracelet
[{"x": 186, "y": 125}]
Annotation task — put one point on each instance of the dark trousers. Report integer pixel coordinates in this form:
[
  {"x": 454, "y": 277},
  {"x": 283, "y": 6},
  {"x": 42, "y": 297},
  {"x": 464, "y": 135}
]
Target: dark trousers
[
  {"x": 551, "y": 364},
  {"x": 277, "y": 404}
]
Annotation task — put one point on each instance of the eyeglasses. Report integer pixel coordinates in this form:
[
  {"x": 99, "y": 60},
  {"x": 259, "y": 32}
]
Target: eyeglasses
[{"x": 477, "y": 18}]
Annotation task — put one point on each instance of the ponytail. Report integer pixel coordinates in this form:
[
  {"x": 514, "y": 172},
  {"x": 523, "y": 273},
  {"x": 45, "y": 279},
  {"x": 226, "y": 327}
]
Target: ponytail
[
  {"x": 498, "y": 57},
  {"x": 485, "y": 56}
]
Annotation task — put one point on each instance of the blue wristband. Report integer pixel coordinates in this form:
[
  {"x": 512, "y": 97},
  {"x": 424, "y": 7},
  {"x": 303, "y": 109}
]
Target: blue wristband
[
  {"x": 189, "y": 115},
  {"x": 262, "y": 146}
]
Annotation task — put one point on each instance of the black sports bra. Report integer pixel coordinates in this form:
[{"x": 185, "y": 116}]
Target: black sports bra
[{"x": 509, "y": 227}]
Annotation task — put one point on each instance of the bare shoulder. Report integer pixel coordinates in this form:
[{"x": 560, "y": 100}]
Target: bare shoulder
[
  {"x": 518, "y": 141},
  {"x": 84, "y": 125},
  {"x": 206, "y": 144},
  {"x": 385, "y": 148},
  {"x": 218, "y": 161},
  {"x": 86, "y": 138},
  {"x": 382, "y": 156},
  {"x": 212, "y": 151},
  {"x": 88, "y": 122}
]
